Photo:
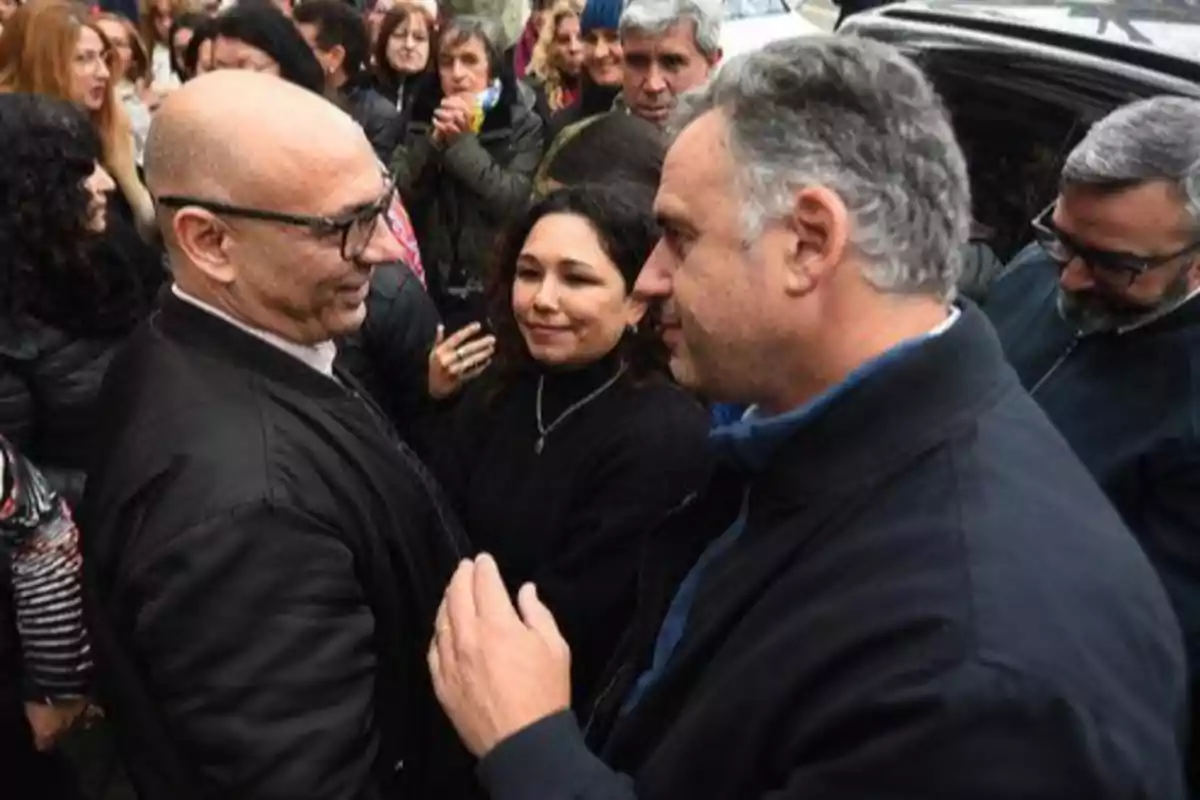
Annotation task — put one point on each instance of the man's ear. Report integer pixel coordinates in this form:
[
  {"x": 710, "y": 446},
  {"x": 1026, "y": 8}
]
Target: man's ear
[
  {"x": 715, "y": 58},
  {"x": 204, "y": 240},
  {"x": 820, "y": 230}
]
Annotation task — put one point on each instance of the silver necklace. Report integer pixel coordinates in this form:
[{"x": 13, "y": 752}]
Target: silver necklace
[{"x": 545, "y": 430}]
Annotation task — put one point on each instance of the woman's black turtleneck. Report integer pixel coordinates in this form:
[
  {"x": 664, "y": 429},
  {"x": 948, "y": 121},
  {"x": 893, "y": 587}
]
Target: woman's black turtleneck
[{"x": 571, "y": 518}]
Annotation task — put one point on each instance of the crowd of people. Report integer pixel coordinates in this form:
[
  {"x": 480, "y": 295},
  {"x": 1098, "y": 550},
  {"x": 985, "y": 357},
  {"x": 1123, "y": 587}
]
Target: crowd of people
[{"x": 396, "y": 401}]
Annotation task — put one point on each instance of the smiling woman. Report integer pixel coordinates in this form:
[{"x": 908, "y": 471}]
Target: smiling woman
[{"x": 575, "y": 441}]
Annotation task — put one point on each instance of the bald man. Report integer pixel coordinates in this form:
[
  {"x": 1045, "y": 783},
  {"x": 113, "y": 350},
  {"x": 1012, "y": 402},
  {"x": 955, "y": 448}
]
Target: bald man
[{"x": 264, "y": 557}]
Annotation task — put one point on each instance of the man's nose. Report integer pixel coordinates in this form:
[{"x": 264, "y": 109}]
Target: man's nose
[
  {"x": 383, "y": 247},
  {"x": 654, "y": 281},
  {"x": 656, "y": 81},
  {"x": 1076, "y": 276}
]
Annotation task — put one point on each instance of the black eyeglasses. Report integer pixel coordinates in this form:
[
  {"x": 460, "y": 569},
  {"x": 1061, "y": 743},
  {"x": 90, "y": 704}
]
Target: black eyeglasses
[
  {"x": 1109, "y": 265},
  {"x": 356, "y": 227}
]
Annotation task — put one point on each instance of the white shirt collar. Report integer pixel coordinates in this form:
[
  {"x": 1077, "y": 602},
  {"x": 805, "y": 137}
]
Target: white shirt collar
[{"x": 319, "y": 356}]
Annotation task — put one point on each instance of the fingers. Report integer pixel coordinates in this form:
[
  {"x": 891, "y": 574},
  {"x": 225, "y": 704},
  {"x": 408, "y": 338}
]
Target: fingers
[
  {"x": 460, "y": 601},
  {"x": 491, "y": 596},
  {"x": 459, "y": 359},
  {"x": 443, "y": 634},
  {"x": 460, "y": 337},
  {"x": 539, "y": 619}
]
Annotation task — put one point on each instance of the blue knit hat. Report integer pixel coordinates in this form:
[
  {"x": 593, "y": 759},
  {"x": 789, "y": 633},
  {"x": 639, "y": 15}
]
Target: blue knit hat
[{"x": 601, "y": 15}]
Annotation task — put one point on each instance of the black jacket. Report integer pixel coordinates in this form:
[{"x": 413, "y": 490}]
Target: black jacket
[
  {"x": 263, "y": 560},
  {"x": 571, "y": 517},
  {"x": 49, "y": 382},
  {"x": 462, "y": 197},
  {"x": 930, "y": 599},
  {"x": 53, "y": 355},
  {"x": 592, "y": 100},
  {"x": 389, "y": 355},
  {"x": 379, "y": 118},
  {"x": 1127, "y": 403}
]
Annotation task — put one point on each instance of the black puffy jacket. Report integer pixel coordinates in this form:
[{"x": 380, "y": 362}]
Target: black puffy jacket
[
  {"x": 389, "y": 355},
  {"x": 49, "y": 382},
  {"x": 462, "y": 196},
  {"x": 54, "y": 354},
  {"x": 379, "y": 118}
]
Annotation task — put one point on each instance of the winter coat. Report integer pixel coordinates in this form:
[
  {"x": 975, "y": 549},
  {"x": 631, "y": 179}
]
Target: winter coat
[{"x": 461, "y": 197}]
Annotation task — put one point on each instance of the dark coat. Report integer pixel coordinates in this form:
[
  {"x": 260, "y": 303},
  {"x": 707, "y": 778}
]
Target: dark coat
[
  {"x": 592, "y": 100},
  {"x": 389, "y": 355},
  {"x": 54, "y": 356},
  {"x": 1128, "y": 404},
  {"x": 49, "y": 383},
  {"x": 571, "y": 517},
  {"x": 263, "y": 561},
  {"x": 379, "y": 118},
  {"x": 463, "y": 196},
  {"x": 400, "y": 94},
  {"x": 929, "y": 598}
]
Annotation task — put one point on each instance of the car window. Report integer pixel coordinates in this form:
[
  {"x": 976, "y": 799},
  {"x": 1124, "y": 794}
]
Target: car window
[{"x": 747, "y": 9}]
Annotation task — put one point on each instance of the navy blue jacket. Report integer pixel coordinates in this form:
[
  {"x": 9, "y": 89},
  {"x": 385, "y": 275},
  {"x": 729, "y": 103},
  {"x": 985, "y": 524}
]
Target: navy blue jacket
[
  {"x": 930, "y": 598},
  {"x": 1129, "y": 405}
]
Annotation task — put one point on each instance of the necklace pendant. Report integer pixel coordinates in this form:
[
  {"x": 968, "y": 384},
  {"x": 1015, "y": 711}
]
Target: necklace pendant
[{"x": 539, "y": 445}]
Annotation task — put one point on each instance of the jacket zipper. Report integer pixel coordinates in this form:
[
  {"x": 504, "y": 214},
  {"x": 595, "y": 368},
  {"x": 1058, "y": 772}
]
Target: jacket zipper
[
  {"x": 686, "y": 503},
  {"x": 1054, "y": 367}
]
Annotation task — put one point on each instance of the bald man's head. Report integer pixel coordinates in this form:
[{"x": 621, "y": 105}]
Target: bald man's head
[
  {"x": 269, "y": 199},
  {"x": 234, "y": 131}
]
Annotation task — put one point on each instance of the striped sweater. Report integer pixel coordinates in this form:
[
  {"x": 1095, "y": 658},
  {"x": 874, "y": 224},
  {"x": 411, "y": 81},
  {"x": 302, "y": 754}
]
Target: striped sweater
[{"x": 42, "y": 541}]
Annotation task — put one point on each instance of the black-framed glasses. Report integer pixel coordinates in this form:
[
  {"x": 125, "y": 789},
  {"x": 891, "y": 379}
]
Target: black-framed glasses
[
  {"x": 1112, "y": 266},
  {"x": 356, "y": 227}
]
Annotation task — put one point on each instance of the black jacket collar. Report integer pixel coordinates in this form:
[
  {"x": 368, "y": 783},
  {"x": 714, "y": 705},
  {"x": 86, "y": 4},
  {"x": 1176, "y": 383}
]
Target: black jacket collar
[{"x": 215, "y": 338}]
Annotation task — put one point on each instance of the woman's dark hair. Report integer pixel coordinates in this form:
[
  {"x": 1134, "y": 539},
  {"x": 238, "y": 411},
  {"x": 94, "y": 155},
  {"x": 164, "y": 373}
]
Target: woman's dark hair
[
  {"x": 386, "y": 75},
  {"x": 264, "y": 26},
  {"x": 188, "y": 21},
  {"x": 205, "y": 31},
  {"x": 610, "y": 147},
  {"x": 46, "y": 264},
  {"x": 621, "y": 215},
  {"x": 337, "y": 24},
  {"x": 460, "y": 30}
]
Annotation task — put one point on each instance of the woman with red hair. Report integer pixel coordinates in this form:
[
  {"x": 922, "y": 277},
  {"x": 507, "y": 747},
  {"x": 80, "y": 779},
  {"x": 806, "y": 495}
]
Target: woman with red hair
[{"x": 53, "y": 47}]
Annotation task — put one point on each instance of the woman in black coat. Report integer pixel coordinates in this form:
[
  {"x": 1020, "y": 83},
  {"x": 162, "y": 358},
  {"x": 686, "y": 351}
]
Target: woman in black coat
[
  {"x": 466, "y": 164},
  {"x": 403, "y": 53},
  {"x": 574, "y": 443},
  {"x": 64, "y": 307}
]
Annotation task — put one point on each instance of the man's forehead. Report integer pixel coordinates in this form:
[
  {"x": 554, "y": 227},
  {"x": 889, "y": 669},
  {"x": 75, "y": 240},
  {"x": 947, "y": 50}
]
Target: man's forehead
[
  {"x": 1151, "y": 209},
  {"x": 679, "y": 38},
  {"x": 697, "y": 167},
  {"x": 328, "y": 186}
]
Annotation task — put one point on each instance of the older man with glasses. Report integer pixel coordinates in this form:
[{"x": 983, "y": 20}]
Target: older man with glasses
[
  {"x": 264, "y": 557},
  {"x": 1100, "y": 320}
]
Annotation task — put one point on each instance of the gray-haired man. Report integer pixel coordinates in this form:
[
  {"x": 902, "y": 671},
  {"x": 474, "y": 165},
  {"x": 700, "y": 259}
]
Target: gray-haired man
[
  {"x": 670, "y": 47},
  {"x": 1101, "y": 323},
  {"x": 901, "y": 583}
]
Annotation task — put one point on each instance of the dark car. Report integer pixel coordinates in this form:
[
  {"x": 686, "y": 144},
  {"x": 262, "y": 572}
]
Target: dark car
[{"x": 1025, "y": 80}]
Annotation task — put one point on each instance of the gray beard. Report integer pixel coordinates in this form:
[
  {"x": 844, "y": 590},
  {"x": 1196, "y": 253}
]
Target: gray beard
[{"x": 1092, "y": 312}]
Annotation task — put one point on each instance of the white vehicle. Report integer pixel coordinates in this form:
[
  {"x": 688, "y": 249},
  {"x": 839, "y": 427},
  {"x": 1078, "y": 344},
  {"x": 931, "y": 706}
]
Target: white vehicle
[{"x": 750, "y": 24}]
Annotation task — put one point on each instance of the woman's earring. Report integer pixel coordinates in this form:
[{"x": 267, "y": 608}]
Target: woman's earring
[{"x": 631, "y": 328}]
